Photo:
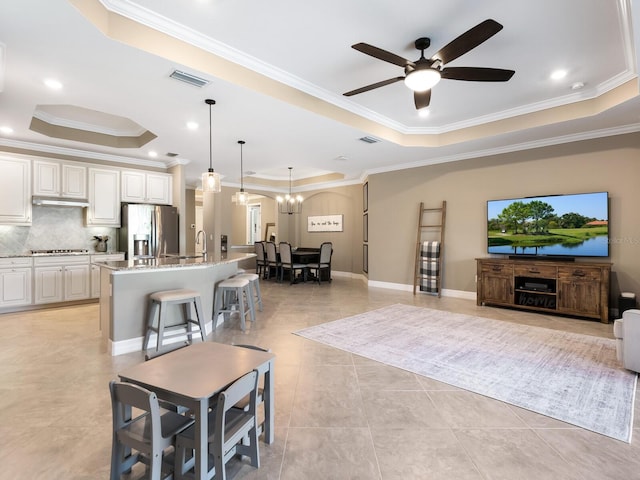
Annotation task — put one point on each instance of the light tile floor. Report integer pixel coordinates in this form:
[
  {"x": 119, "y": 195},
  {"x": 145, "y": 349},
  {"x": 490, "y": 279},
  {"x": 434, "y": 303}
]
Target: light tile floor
[{"x": 338, "y": 416}]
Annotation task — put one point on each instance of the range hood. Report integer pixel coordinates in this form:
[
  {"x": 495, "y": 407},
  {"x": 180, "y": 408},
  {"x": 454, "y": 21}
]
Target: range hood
[{"x": 59, "y": 202}]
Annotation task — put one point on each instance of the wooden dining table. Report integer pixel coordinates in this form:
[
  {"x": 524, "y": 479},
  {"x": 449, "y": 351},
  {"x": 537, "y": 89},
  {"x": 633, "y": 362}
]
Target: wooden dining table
[{"x": 192, "y": 376}]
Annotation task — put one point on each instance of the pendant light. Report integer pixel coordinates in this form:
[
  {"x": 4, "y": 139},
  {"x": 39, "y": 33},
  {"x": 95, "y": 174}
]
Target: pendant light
[
  {"x": 241, "y": 197},
  {"x": 290, "y": 204},
  {"x": 210, "y": 179}
]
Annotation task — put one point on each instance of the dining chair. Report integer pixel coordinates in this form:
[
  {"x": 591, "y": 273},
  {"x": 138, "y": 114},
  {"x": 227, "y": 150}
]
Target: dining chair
[
  {"x": 272, "y": 259},
  {"x": 286, "y": 263},
  {"x": 324, "y": 261},
  {"x": 145, "y": 438},
  {"x": 245, "y": 402},
  {"x": 261, "y": 259},
  {"x": 232, "y": 431}
]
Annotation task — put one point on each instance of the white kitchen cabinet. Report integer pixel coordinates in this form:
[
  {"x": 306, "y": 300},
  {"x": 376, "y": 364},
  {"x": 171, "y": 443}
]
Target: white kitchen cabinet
[
  {"x": 59, "y": 179},
  {"x": 15, "y": 191},
  {"x": 48, "y": 283},
  {"x": 146, "y": 187},
  {"x": 95, "y": 270},
  {"x": 15, "y": 281},
  {"x": 104, "y": 198},
  {"x": 61, "y": 278},
  {"x": 76, "y": 282},
  {"x": 46, "y": 178},
  {"x": 74, "y": 181}
]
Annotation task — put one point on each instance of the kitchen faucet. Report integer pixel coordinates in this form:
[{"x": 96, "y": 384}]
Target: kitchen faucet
[{"x": 204, "y": 240}]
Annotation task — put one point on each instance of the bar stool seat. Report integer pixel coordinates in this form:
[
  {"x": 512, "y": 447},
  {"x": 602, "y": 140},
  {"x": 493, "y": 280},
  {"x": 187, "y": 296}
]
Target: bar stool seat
[
  {"x": 254, "y": 282},
  {"x": 234, "y": 295},
  {"x": 158, "y": 303}
]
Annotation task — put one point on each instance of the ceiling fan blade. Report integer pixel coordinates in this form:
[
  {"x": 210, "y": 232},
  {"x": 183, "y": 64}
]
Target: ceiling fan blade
[
  {"x": 422, "y": 99},
  {"x": 477, "y": 74},
  {"x": 467, "y": 41},
  {"x": 380, "y": 54},
  {"x": 372, "y": 86}
]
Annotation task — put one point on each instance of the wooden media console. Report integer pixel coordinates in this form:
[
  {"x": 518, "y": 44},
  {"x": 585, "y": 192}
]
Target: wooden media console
[{"x": 580, "y": 289}]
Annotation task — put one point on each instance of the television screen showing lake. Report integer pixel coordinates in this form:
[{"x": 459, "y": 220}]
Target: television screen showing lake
[{"x": 567, "y": 225}]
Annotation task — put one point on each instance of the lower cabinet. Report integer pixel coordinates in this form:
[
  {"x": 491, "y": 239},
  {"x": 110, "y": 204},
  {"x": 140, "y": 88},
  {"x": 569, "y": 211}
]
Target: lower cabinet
[
  {"x": 15, "y": 281},
  {"x": 61, "y": 278},
  {"x": 95, "y": 270}
]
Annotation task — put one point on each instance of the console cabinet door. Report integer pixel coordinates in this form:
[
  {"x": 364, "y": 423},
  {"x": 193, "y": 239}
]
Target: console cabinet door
[
  {"x": 579, "y": 290},
  {"x": 496, "y": 282}
]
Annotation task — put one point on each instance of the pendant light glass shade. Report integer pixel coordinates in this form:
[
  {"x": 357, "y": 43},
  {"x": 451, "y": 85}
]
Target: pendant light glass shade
[
  {"x": 211, "y": 179},
  {"x": 290, "y": 204},
  {"x": 241, "y": 197}
]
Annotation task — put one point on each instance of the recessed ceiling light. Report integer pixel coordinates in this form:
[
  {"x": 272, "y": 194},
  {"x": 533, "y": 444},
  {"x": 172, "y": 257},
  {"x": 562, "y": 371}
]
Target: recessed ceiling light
[
  {"x": 6, "y": 130},
  {"x": 577, "y": 86},
  {"x": 424, "y": 112},
  {"x": 53, "y": 84},
  {"x": 153, "y": 154},
  {"x": 192, "y": 125},
  {"x": 558, "y": 74}
]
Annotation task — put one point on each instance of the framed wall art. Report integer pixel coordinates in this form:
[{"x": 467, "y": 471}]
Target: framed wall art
[{"x": 324, "y": 223}]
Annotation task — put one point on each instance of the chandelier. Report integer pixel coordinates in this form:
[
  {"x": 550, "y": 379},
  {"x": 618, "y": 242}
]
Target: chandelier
[
  {"x": 290, "y": 204},
  {"x": 241, "y": 197},
  {"x": 210, "y": 179}
]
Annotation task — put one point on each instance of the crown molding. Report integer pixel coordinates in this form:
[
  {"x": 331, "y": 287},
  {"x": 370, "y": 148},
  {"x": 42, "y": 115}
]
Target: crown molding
[
  {"x": 38, "y": 148},
  {"x": 547, "y": 142}
]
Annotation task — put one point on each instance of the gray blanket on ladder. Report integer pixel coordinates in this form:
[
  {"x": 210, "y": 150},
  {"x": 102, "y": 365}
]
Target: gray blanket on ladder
[{"x": 430, "y": 267}]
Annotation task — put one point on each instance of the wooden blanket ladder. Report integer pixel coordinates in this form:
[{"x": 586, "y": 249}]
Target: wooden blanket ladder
[{"x": 431, "y": 223}]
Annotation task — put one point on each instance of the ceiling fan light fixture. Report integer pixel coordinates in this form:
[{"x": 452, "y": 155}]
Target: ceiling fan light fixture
[{"x": 422, "y": 79}]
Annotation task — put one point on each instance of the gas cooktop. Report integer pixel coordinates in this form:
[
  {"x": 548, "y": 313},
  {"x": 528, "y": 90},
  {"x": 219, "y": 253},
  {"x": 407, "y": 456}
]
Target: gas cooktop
[{"x": 61, "y": 251}]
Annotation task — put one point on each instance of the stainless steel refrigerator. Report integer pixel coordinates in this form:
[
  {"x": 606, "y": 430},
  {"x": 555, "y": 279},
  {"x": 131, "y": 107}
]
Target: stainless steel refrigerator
[{"x": 148, "y": 230}]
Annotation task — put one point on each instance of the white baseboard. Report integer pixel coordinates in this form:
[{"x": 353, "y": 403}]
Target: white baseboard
[
  {"x": 131, "y": 345},
  {"x": 409, "y": 288}
]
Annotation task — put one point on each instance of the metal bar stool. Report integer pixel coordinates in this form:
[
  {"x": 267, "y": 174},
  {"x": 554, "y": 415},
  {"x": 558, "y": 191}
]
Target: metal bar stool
[
  {"x": 159, "y": 301},
  {"x": 234, "y": 295},
  {"x": 254, "y": 283}
]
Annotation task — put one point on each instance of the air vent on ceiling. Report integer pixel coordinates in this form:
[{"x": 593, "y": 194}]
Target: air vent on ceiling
[
  {"x": 171, "y": 154},
  {"x": 189, "y": 78},
  {"x": 369, "y": 140}
]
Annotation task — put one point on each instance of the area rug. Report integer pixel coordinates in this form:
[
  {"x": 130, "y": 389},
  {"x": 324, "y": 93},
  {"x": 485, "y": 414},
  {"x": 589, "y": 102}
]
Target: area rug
[{"x": 573, "y": 378}]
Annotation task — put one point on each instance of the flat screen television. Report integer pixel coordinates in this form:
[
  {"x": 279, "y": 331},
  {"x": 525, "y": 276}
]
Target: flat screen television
[{"x": 575, "y": 225}]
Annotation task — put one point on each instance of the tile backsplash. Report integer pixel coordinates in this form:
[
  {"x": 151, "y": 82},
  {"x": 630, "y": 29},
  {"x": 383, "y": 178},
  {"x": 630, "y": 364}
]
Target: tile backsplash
[{"x": 53, "y": 227}]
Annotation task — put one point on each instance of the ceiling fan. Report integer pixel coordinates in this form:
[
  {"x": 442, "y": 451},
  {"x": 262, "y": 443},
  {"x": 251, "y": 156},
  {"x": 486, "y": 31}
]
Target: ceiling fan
[{"x": 421, "y": 75}]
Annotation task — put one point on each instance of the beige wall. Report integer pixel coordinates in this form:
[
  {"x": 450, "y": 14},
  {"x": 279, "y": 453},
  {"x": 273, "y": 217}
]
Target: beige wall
[
  {"x": 610, "y": 164},
  {"x": 347, "y": 245}
]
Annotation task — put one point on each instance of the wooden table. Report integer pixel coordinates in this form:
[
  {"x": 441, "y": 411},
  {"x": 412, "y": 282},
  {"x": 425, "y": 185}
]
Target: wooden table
[{"x": 193, "y": 375}]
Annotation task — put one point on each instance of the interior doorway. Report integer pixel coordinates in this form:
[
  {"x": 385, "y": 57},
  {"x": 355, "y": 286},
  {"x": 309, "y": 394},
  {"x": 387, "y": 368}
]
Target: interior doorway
[{"x": 254, "y": 223}]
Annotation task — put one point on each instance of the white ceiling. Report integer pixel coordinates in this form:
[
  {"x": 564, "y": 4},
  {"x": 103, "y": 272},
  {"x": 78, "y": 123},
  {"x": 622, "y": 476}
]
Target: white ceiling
[{"x": 306, "y": 47}]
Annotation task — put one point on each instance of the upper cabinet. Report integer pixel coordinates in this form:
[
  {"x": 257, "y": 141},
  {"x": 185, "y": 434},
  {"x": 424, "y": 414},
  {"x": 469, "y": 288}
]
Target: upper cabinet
[
  {"x": 15, "y": 191},
  {"x": 55, "y": 179},
  {"x": 146, "y": 187},
  {"x": 104, "y": 198}
]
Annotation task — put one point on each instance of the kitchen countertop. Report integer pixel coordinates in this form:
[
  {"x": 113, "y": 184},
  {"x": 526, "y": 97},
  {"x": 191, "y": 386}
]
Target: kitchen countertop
[
  {"x": 145, "y": 264},
  {"x": 29, "y": 254}
]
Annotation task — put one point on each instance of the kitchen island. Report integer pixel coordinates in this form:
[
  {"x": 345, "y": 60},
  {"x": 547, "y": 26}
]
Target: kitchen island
[{"x": 125, "y": 287}]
